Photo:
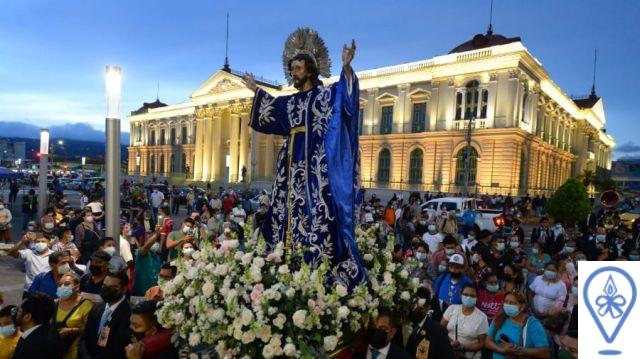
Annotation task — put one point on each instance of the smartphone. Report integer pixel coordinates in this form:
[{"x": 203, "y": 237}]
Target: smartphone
[
  {"x": 505, "y": 338},
  {"x": 160, "y": 219}
]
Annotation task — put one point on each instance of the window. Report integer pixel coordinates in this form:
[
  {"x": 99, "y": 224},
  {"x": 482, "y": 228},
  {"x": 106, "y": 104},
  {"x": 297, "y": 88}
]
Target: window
[
  {"x": 471, "y": 108},
  {"x": 138, "y": 133},
  {"x": 153, "y": 138},
  {"x": 161, "y": 165},
  {"x": 384, "y": 165},
  {"x": 184, "y": 162},
  {"x": 483, "y": 108},
  {"x": 172, "y": 165},
  {"x": 152, "y": 164},
  {"x": 525, "y": 97},
  {"x": 162, "y": 139},
  {"x": 183, "y": 135},
  {"x": 419, "y": 117},
  {"x": 459, "y": 106},
  {"x": 415, "y": 166},
  {"x": 460, "y": 165},
  {"x": 360, "y": 121},
  {"x": 387, "y": 120},
  {"x": 173, "y": 136}
]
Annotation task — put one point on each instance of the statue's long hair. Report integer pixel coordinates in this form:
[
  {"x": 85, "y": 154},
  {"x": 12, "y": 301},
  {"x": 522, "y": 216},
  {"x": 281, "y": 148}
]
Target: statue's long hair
[{"x": 311, "y": 67}]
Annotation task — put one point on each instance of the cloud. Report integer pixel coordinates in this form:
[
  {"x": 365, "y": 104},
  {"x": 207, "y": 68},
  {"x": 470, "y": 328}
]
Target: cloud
[
  {"x": 628, "y": 147},
  {"x": 70, "y": 131},
  {"x": 47, "y": 109}
]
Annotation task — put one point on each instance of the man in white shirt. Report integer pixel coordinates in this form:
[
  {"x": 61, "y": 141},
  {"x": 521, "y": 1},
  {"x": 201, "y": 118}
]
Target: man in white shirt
[
  {"x": 36, "y": 260},
  {"x": 239, "y": 215},
  {"x": 432, "y": 238},
  {"x": 156, "y": 200},
  {"x": 215, "y": 202}
]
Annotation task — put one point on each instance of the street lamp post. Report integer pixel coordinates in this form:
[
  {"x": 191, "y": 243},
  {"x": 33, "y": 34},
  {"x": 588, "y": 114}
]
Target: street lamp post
[
  {"x": 467, "y": 158},
  {"x": 42, "y": 174},
  {"x": 84, "y": 162},
  {"x": 113, "y": 79},
  {"x": 138, "y": 165}
]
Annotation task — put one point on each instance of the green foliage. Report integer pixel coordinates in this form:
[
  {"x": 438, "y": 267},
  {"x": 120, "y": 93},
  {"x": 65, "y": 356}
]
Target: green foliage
[{"x": 570, "y": 203}]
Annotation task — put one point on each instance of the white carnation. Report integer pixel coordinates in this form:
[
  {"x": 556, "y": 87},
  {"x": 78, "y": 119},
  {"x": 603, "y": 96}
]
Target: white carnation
[
  {"x": 404, "y": 274},
  {"x": 246, "y": 316},
  {"x": 387, "y": 278},
  {"x": 264, "y": 333},
  {"x": 291, "y": 292},
  {"x": 368, "y": 257},
  {"x": 405, "y": 295},
  {"x": 330, "y": 342},
  {"x": 218, "y": 314},
  {"x": 268, "y": 351},
  {"x": 248, "y": 337},
  {"x": 256, "y": 274},
  {"x": 283, "y": 269},
  {"x": 189, "y": 292},
  {"x": 343, "y": 312},
  {"x": 258, "y": 262},
  {"x": 290, "y": 350},
  {"x": 194, "y": 339},
  {"x": 299, "y": 317},
  {"x": 341, "y": 290},
  {"x": 279, "y": 320},
  {"x": 207, "y": 289},
  {"x": 246, "y": 259}
]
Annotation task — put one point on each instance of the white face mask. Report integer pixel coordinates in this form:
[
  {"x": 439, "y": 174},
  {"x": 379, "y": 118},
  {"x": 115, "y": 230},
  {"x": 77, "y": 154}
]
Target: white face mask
[
  {"x": 155, "y": 247},
  {"x": 7, "y": 330},
  {"x": 110, "y": 250},
  {"x": 1, "y": 207},
  {"x": 64, "y": 269},
  {"x": 48, "y": 225},
  {"x": 188, "y": 251},
  {"x": 227, "y": 230},
  {"x": 41, "y": 247}
]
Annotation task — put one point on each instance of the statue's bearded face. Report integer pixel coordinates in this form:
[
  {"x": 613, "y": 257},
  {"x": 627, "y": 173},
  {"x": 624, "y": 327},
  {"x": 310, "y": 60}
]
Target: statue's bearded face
[{"x": 299, "y": 73}]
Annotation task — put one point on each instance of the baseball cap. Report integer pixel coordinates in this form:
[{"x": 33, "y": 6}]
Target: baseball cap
[{"x": 456, "y": 259}]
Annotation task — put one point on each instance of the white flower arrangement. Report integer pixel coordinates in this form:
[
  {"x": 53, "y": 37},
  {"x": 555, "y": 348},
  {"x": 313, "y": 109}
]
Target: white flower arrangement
[{"x": 253, "y": 303}]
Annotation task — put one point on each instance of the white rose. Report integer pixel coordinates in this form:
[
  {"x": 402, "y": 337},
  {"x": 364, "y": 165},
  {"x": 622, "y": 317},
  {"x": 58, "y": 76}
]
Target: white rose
[
  {"x": 343, "y": 312},
  {"x": 415, "y": 282},
  {"x": 404, "y": 274},
  {"x": 258, "y": 262},
  {"x": 246, "y": 259},
  {"x": 291, "y": 292},
  {"x": 264, "y": 333},
  {"x": 330, "y": 342},
  {"x": 279, "y": 320},
  {"x": 218, "y": 314},
  {"x": 299, "y": 317},
  {"x": 207, "y": 289},
  {"x": 256, "y": 274},
  {"x": 189, "y": 292},
  {"x": 405, "y": 295},
  {"x": 368, "y": 257},
  {"x": 221, "y": 349},
  {"x": 268, "y": 351},
  {"x": 341, "y": 290},
  {"x": 248, "y": 337},
  {"x": 246, "y": 316},
  {"x": 387, "y": 278},
  {"x": 290, "y": 350}
]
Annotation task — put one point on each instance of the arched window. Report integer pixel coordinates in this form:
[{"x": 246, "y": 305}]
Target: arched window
[
  {"x": 460, "y": 165},
  {"x": 161, "y": 165},
  {"x": 152, "y": 164},
  {"x": 384, "y": 165},
  {"x": 415, "y": 166},
  {"x": 172, "y": 163}
]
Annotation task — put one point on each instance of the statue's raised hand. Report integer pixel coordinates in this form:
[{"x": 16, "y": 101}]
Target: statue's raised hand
[
  {"x": 250, "y": 82},
  {"x": 348, "y": 53}
]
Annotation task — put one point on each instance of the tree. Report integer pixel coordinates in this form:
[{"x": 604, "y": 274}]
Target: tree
[{"x": 570, "y": 203}]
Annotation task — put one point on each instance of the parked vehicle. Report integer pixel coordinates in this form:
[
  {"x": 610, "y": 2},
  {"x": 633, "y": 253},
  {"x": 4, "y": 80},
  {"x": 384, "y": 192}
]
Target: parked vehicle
[{"x": 489, "y": 219}]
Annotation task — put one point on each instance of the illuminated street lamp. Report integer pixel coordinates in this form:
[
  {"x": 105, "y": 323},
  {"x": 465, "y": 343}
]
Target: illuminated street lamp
[
  {"x": 113, "y": 81},
  {"x": 42, "y": 174},
  {"x": 138, "y": 165}
]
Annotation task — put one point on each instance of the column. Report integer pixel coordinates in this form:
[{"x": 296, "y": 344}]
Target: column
[
  {"x": 233, "y": 147},
  {"x": 207, "y": 128},
  {"x": 244, "y": 146},
  {"x": 399, "y": 110},
  {"x": 199, "y": 147},
  {"x": 216, "y": 133},
  {"x": 370, "y": 112},
  {"x": 269, "y": 157},
  {"x": 252, "y": 171}
]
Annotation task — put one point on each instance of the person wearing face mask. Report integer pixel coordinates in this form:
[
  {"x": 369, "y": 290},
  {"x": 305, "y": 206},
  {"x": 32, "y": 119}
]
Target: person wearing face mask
[
  {"x": 545, "y": 290},
  {"x": 428, "y": 339},
  {"x": 184, "y": 234},
  {"x": 70, "y": 316},
  {"x": 541, "y": 233},
  {"x": 432, "y": 238},
  {"x": 536, "y": 261},
  {"x": 9, "y": 332},
  {"x": 48, "y": 226},
  {"x": 148, "y": 262},
  {"x": 92, "y": 281},
  {"x": 151, "y": 339},
  {"x": 107, "y": 332},
  {"x": 87, "y": 237},
  {"x": 509, "y": 328},
  {"x": 466, "y": 324},
  {"x": 567, "y": 336},
  {"x": 167, "y": 273},
  {"x": 379, "y": 339},
  {"x": 65, "y": 239},
  {"x": 448, "y": 286},
  {"x": 469, "y": 242},
  {"x": 491, "y": 296},
  {"x": 566, "y": 270},
  {"x": 187, "y": 251},
  {"x": 117, "y": 263},
  {"x": 47, "y": 282},
  {"x": 499, "y": 255},
  {"x": 512, "y": 279},
  {"x": 5, "y": 223},
  {"x": 36, "y": 260},
  {"x": 450, "y": 247},
  {"x": 515, "y": 252},
  {"x": 33, "y": 316},
  {"x": 554, "y": 245}
]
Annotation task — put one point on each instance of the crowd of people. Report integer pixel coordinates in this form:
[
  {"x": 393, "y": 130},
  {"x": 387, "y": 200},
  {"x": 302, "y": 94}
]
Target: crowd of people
[{"x": 506, "y": 294}]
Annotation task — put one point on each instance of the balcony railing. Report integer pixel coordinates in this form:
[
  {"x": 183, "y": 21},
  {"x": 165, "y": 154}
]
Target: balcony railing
[{"x": 464, "y": 124}]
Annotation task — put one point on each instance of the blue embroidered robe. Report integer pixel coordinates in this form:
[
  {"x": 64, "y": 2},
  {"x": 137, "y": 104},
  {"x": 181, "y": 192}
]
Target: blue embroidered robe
[{"x": 317, "y": 173}]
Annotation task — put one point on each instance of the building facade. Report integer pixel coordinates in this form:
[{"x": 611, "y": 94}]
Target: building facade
[{"x": 527, "y": 135}]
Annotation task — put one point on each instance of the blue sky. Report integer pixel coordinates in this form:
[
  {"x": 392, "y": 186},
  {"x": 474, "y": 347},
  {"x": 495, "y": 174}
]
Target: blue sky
[{"x": 53, "y": 53}]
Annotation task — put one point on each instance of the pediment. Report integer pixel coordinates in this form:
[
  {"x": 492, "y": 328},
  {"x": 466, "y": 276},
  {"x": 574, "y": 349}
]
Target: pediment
[
  {"x": 220, "y": 82},
  {"x": 419, "y": 94},
  {"x": 386, "y": 97}
]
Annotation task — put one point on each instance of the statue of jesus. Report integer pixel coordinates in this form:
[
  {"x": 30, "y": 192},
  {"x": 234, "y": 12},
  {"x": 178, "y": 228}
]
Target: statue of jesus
[{"x": 317, "y": 172}]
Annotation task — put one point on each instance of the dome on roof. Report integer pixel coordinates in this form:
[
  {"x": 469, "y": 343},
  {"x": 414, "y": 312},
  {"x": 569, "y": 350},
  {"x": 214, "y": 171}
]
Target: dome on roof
[{"x": 484, "y": 40}]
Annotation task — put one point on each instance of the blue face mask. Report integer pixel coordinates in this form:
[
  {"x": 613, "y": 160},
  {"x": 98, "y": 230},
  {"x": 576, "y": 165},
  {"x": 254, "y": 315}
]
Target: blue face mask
[
  {"x": 534, "y": 251},
  {"x": 442, "y": 268},
  {"x": 185, "y": 229},
  {"x": 500, "y": 247},
  {"x": 421, "y": 256},
  {"x": 601, "y": 238},
  {"x": 550, "y": 275},
  {"x": 469, "y": 302},
  {"x": 7, "y": 330},
  {"x": 511, "y": 310},
  {"x": 493, "y": 287},
  {"x": 64, "y": 292}
]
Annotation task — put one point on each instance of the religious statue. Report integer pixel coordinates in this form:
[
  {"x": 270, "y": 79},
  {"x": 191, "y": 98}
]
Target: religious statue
[{"x": 317, "y": 172}]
